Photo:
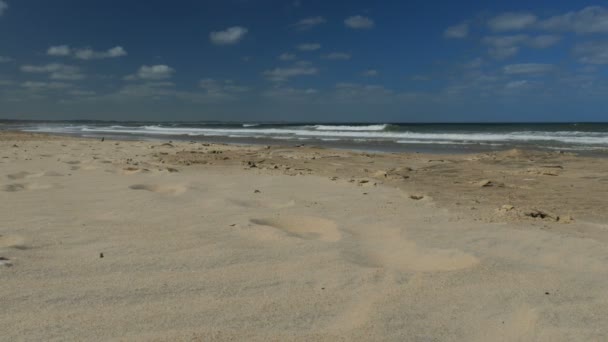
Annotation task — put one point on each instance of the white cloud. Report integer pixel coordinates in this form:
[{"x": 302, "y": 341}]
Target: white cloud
[
  {"x": 45, "y": 85},
  {"x": 359, "y": 22},
  {"x": 370, "y": 73},
  {"x": 512, "y": 21},
  {"x": 517, "y": 84},
  {"x": 3, "y": 7},
  {"x": 148, "y": 89},
  {"x": 287, "y": 56},
  {"x": 4, "y": 59},
  {"x": 79, "y": 92},
  {"x": 475, "y": 63},
  {"x": 85, "y": 53},
  {"x": 501, "y": 47},
  {"x": 56, "y": 71},
  {"x": 362, "y": 93},
  {"x": 59, "y": 50},
  {"x": 592, "y": 19},
  {"x": 308, "y": 23},
  {"x": 153, "y": 72},
  {"x": 220, "y": 89},
  {"x": 338, "y": 56},
  {"x": 527, "y": 69},
  {"x": 592, "y": 53},
  {"x": 283, "y": 74},
  {"x": 457, "y": 31},
  {"x": 289, "y": 93},
  {"x": 309, "y": 47},
  {"x": 230, "y": 36},
  {"x": 543, "y": 41}
]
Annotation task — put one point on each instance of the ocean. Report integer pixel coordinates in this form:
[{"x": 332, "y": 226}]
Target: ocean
[{"x": 386, "y": 137}]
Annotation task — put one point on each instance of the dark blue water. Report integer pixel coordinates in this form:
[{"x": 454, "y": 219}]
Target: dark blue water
[{"x": 576, "y": 137}]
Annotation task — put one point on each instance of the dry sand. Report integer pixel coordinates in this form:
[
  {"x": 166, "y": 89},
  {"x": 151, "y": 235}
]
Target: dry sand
[{"x": 140, "y": 241}]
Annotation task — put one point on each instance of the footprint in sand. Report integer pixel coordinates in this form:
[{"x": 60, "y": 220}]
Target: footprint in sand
[
  {"x": 52, "y": 174},
  {"x": 12, "y": 241},
  {"x": 388, "y": 249},
  {"x": 25, "y": 186},
  {"x": 160, "y": 189},
  {"x": 19, "y": 175},
  {"x": 256, "y": 204},
  {"x": 303, "y": 227}
]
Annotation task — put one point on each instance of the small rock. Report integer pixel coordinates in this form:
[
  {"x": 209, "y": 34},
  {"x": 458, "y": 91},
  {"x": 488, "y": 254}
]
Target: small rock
[
  {"x": 536, "y": 213},
  {"x": 485, "y": 183},
  {"x": 507, "y": 207},
  {"x": 5, "y": 262},
  {"x": 256, "y": 191},
  {"x": 100, "y": 255},
  {"x": 172, "y": 170},
  {"x": 416, "y": 197}
]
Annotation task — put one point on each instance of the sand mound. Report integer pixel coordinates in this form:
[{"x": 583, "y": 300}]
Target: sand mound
[
  {"x": 304, "y": 227},
  {"x": 161, "y": 189},
  {"x": 388, "y": 249},
  {"x": 12, "y": 241}
]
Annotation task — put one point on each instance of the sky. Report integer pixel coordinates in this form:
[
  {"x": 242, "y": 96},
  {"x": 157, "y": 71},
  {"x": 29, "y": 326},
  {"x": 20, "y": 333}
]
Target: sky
[{"x": 304, "y": 60}]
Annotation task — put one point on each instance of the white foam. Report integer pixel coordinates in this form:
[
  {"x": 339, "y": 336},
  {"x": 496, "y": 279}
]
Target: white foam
[
  {"x": 350, "y": 128},
  {"x": 357, "y": 133}
]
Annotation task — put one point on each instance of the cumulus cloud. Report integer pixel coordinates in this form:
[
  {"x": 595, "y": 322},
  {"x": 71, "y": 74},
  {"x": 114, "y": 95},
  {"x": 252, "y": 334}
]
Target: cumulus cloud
[
  {"x": 528, "y": 69},
  {"x": 3, "y": 7},
  {"x": 153, "y": 72},
  {"x": 592, "y": 53},
  {"x": 4, "y": 59},
  {"x": 592, "y": 19},
  {"x": 85, "y": 53},
  {"x": 337, "y": 56},
  {"x": 283, "y": 74},
  {"x": 362, "y": 93},
  {"x": 290, "y": 94},
  {"x": 359, "y": 22},
  {"x": 55, "y": 71},
  {"x": 512, "y": 21},
  {"x": 501, "y": 47},
  {"x": 457, "y": 31},
  {"x": 230, "y": 36},
  {"x": 220, "y": 89},
  {"x": 542, "y": 41},
  {"x": 512, "y": 85},
  {"x": 309, "y": 47},
  {"x": 308, "y": 23},
  {"x": 287, "y": 56},
  {"x": 59, "y": 50},
  {"x": 45, "y": 85}
]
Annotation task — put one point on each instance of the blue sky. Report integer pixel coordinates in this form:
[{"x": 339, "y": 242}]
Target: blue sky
[{"x": 306, "y": 60}]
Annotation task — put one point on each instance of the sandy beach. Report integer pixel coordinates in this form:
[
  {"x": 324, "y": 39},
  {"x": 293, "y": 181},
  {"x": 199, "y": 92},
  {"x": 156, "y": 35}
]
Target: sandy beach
[{"x": 187, "y": 241}]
